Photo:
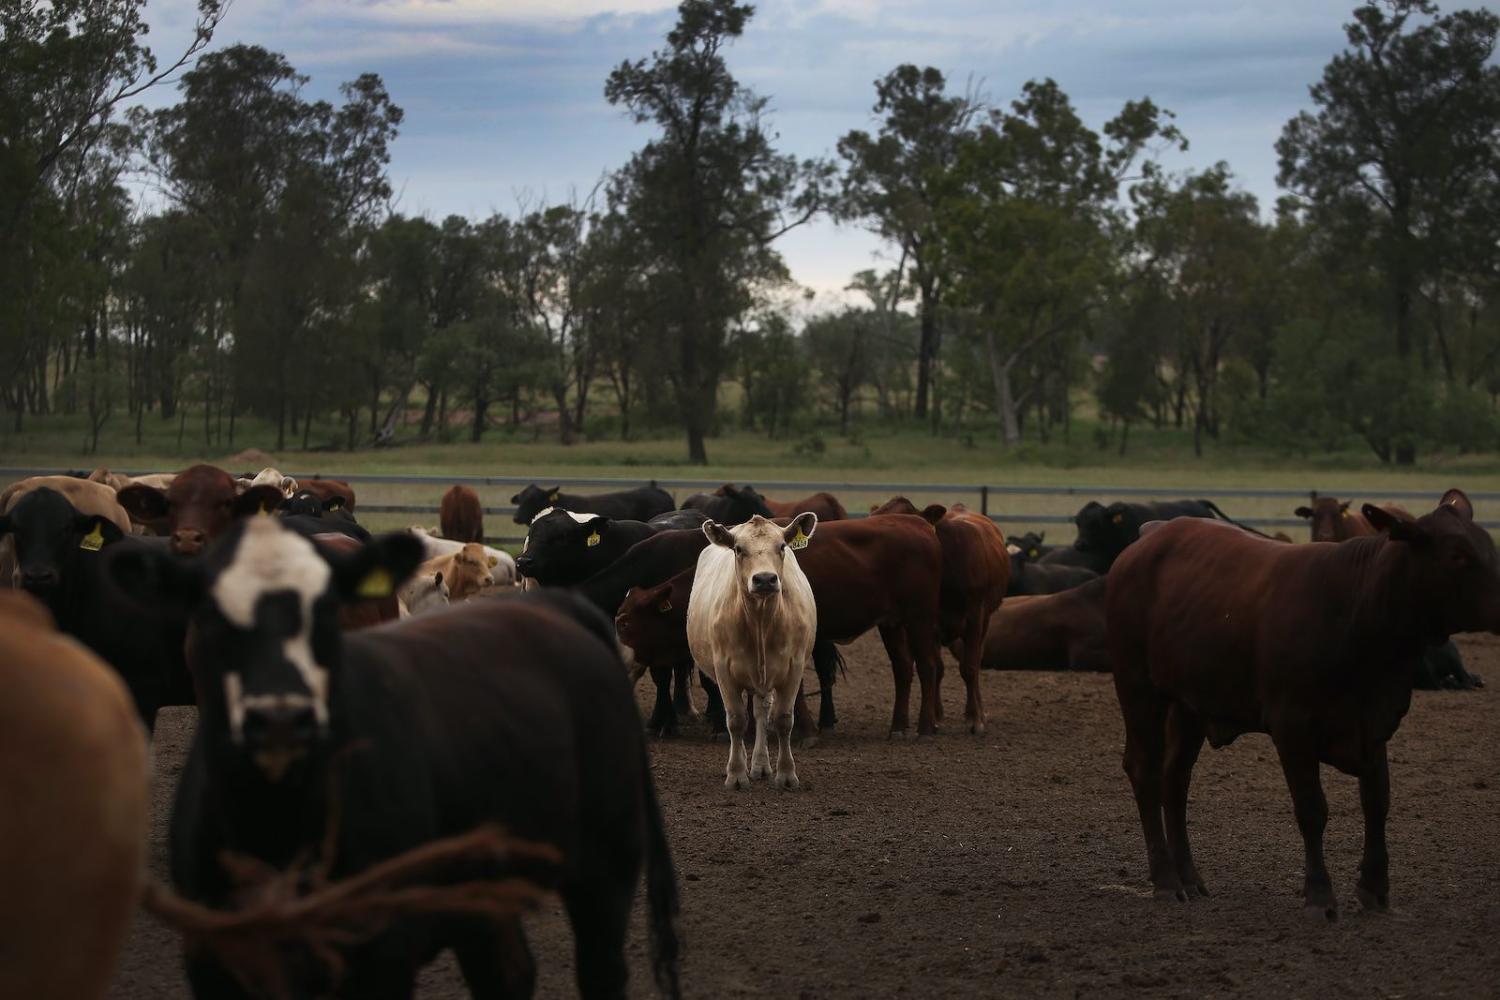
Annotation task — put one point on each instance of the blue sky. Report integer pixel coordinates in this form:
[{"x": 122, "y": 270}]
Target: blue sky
[{"x": 504, "y": 98}]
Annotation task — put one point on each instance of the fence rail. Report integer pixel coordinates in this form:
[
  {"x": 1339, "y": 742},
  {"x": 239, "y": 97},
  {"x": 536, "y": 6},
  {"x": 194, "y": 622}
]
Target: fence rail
[{"x": 978, "y": 495}]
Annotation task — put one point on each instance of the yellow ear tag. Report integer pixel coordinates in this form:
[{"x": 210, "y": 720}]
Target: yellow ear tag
[
  {"x": 665, "y": 605},
  {"x": 94, "y": 540},
  {"x": 799, "y": 542},
  {"x": 377, "y": 583},
  {"x": 1118, "y": 519},
  {"x": 593, "y": 539},
  {"x": 554, "y": 496},
  {"x": 1343, "y": 513},
  {"x": 1033, "y": 553}
]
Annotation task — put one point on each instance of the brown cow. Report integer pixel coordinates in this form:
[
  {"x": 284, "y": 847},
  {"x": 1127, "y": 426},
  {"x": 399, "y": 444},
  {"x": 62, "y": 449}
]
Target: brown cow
[
  {"x": 329, "y": 489},
  {"x": 1332, "y": 520},
  {"x": 73, "y": 780},
  {"x": 1062, "y": 631},
  {"x": 1214, "y": 633},
  {"x": 355, "y": 615},
  {"x": 461, "y": 516},
  {"x": 198, "y": 506},
  {"x": 881, "y": 573},
  {"x": 823, "y": 504},
  {"x": 976, "y": 573}
]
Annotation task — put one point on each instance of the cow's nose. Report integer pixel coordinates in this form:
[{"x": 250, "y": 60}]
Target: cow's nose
[
  {"x": 39, "y": 579},
  {"x": 765, "y": 583},
  {"x": 280, "y": 727},
  {"x": 188, "y": 541}
]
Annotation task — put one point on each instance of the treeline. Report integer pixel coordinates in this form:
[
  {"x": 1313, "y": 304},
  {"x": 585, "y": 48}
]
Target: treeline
[{"x": 1042, "y": 267}]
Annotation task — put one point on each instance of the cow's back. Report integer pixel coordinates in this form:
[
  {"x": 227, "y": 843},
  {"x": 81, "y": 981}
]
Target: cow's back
[
  {"x": 73, "y": 780},
  {"x": 870, "y": 571}
]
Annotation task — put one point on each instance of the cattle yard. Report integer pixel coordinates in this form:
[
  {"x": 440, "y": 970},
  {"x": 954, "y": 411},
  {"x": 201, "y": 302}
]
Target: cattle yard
[{"x": 1011, "y": 865}]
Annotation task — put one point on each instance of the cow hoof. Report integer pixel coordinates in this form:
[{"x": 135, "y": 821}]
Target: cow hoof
[
  {"x": 760, "y": 772},
  {"x": 899, "y": 734},
  {"x": 788, "y": 783},
  {"x": 1169, "y": 895},
  {"x": 1327, "y": 913},
  {"x": 1371, "y": 901},
  {"x": 976, "y": 729},
  {"x": 808, "y": 742},
  {"x": 1196, "y": 890},
  {"x": 737, "y": 782}
]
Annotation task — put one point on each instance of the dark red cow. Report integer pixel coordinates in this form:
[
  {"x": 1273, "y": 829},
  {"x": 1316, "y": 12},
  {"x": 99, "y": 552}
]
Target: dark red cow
[
  {"x": 199, "y": 506},
  {"x": 357, "y": 614},
  {"x": 1214, "y": 633},
  {"x": 327, "y": 490},
  {"x": 460, "y": 515},
  {"x": 1332, "y": 520},
  {"x": 823, "y": 504},
  {"x": 1062, "y": 631}
]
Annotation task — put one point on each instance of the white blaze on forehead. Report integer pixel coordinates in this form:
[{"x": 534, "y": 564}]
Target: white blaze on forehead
[
  {"x": 580, "y": 518},
  {"x": 270, "y": 559}
]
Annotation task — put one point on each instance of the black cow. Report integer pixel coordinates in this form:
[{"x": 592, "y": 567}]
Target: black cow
[
  {"x": 306, "y": 503},
  {"x": 371, "y": 744},
  {"x": 1028, "y": 576},
  {"x": 340, "y": 524},
  {"x": 1032, "y": 543},
  {"x": 1104, "y": 532},
  {"x": 730, "y": 504},
  {"x": 563, "y": 548},
  {"x": 61, "y": 555},
  {"x": 640, "y": 504}
]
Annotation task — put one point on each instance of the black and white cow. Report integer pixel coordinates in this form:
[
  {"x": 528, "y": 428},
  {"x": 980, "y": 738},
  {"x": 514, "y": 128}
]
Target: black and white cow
[
  {"x": 564, "y": 548},
  {"x": 514, "y": 712},
  {"x": 639, "y": 504}
]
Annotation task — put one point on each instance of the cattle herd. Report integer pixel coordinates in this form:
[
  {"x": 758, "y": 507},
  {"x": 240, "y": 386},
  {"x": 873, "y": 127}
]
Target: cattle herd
[{"x": 361, "y": 698}]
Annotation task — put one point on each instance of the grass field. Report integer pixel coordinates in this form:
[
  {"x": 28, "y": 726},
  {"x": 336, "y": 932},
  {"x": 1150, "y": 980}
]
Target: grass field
[{"x": 871, "y": 454}]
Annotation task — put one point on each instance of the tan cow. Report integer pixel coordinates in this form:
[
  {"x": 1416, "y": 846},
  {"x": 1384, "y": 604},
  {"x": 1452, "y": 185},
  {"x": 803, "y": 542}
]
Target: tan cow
[
  {"x": 87, "y": 496},
  {"x": 466, "y": 572},
  {"x": 118, "y": 480},
  {"x": 502, "y": 565},
  {"x": 751, "y": 619},
  {"x": 73, "y": 780},
  {"x": 423, "y": 593},
  {"x": 268, "y": 477}
]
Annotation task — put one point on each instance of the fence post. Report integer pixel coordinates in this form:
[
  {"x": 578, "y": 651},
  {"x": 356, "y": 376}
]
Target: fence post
[{"x": 984, "y": 500}]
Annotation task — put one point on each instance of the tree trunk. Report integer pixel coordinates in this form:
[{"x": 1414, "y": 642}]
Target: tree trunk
[
  {"x": 1005, "y": 401},
  {"x": 927, "y": 348}
]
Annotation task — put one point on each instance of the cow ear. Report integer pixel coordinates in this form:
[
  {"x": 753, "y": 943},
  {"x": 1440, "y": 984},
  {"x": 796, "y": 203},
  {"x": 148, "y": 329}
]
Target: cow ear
[
  {"x": 933, "y": 513},
  {"x": 148, "y": 577},
  {"x": 97, "y": 531},
  {"x": 1459, "y": 501},
  {"x": 1303, "y": 512},
  {"x": 800, "y": 531},
  {"x": 258, "y": 500},
  {"x": 145, "y": 504},
  {"x": 378, "y": 568},
  {"x": 1398, "y": 528},
  {"x": 516, "y": 499},
  {"x": 717, "y": 534}
]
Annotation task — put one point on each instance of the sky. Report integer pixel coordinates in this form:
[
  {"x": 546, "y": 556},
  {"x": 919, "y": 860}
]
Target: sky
[{"x": 504, "y": 99}]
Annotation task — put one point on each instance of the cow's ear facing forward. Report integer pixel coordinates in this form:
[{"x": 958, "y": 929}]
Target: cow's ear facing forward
[
  {"x": 800, "y": 530},
  {"x": 145, "y": 504},
  {"x": 1398, "y": 528},
  {"x": 1458, "y": 500},
  {"x": 717, "y": 534},
  {"x": 260, "y": 499},
  {"x": 377, "y": 569},
  {"x": 150, "y": 578}
]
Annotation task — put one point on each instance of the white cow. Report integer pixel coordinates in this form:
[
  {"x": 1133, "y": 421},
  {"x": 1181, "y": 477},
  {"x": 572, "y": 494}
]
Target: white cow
[
  {"x": 502, "y": 564},
  {"x": 751, "y": 619},
  {"x": 421, "y": 594},
  {"x": 268, "y": 477}
]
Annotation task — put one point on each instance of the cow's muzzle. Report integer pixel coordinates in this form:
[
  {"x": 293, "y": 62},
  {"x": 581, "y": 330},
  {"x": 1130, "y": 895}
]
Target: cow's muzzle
[{"x": 765, "y": 584}]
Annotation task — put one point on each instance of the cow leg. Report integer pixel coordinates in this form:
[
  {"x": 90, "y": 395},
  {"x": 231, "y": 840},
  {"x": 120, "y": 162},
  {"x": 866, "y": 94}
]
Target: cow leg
[
  {"x": 1374, "y": 886},
  {"x": 894, "y": 638},
  {"x": 1299, "y": 762},
  {"x": 715, "y": 709},
  {"x": 495, "y": 960},
  {"x": 1145, "y": 722},
  {"x": 804, "y": 727},
  {"x": 760, "y": 758},
  {"x": 826, "y": 666},
  {"x": 682, "y": 689},
  {"x": 736, "y": 776},
  {"x": 969, "y": 652},
  {"x": 663, "y": 715},
  {"x": 786, "y": 768},
  {"x": 600, "y": 915},
  {"x": 929, "y": 671},
  {"x": 1184, "y": 741}
]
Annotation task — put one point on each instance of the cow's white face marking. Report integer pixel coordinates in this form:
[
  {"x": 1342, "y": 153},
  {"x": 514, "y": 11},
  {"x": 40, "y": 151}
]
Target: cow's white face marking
[
  {"x": 580, "y": 518},
  {"x": 270, "y": 559}
]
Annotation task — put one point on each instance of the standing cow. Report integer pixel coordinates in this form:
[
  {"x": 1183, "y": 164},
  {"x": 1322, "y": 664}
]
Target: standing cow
[
  {"x": 751, "y": 619},
  {"x": 461, "y": 515}
]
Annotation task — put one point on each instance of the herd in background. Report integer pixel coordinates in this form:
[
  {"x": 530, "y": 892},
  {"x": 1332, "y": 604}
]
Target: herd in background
[{"x": 306, "y": 712}]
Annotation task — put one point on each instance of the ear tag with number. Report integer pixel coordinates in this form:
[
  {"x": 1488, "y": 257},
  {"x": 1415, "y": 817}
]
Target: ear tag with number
[
  {"x": 94, "y": 540},
  {"x": 593, "y": 539},
  {"x": 799, "y": 542},
  {"x": 377, "y": 583}
]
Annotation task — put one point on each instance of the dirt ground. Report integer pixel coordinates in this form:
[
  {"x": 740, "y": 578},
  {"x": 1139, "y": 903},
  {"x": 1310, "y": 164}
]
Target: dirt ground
[{"x": 1012, "y": 864}]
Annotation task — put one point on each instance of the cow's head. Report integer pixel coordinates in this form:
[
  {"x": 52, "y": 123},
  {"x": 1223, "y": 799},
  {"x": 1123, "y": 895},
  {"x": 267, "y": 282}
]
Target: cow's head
[
  {"x": 1027, "y": 547},
  {"x": 1454, "y": 568},
  {"x": 533, "y": 500},
  {"x": 1329, "y": 518},
  {"x": 310, "y": 504},
  {"x": 421, "y": 594},
  {"x": 199, "y": 506},
  {"x": 50, "y": 537},
  {"x": 744, "y": 503},
  {"x": 471, "y": 571},
  {"x": 650, "y": 616},
  {"x": 761, "y": 549},
  {"x": 268, "y": 477},
  {"x": 562, "y": 547},
  {"x": 932, "y": 513},
  {"x": 266, "y": 644}
]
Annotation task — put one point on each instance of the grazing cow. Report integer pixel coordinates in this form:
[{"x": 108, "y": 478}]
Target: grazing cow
[
  {"x": 751, "y": 618},
  {"x": 1214, "y": 633},
  {"x": 465, "y": 572},
  {"x": 73, "y": 780},
  {"x": 59, "y": 554},
  {"x": 198, "y": 506},
  {"x": 346, "y": 750},
  {"x": 268, "y": 477},
  {"x": 823, "y": 504},
  {"x": 461, "y": 515},
  {"x": 640, "y": 504},
  {"x": 884, "y": 573},
  {"x": 729, "y": 504},
  {"x": 976, "y": 571},
  {"x": 1061, "y": 631},
  {"x": 1030, "y": 577},
  {"x": 1104, "y": 532},
  {"x": 422, "y": 594},
  {"x": 502, "y": 564},
  {"x": 564, "y": 549}
]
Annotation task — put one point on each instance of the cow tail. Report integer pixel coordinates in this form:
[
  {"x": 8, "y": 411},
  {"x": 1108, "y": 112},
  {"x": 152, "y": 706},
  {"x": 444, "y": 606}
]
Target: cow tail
[
  {"x": 661, "y": 893},
  {"x": 1225, "y": 517}
]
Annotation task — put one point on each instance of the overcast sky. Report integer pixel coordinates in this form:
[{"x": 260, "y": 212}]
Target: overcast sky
[{"x": 504, "y": 98}]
